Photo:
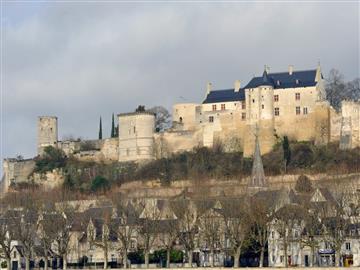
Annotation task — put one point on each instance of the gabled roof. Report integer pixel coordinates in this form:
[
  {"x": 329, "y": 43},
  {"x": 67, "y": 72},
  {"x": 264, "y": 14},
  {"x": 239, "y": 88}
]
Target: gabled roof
[
  {"x": 302, "y": 78},
  {"x": 225, "y": 95},
  {"x": 280, "y": 80}
]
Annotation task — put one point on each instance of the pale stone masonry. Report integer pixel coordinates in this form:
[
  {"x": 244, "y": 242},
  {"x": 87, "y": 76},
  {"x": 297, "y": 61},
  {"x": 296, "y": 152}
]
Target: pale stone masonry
[{"x": 290, "y": 103}]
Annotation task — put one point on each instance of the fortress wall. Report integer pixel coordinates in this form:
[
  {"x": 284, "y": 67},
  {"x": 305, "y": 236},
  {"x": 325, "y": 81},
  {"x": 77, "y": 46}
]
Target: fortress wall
[
  {"x": 335, "y": 125},
  {"x": 49, "y": 179},
  {"x": 172, "y": 142},
  {"x": 110, "y": 148},
  {"x": 17, "y": 171},
  {"x": 232, "y": 187},
  {"x": 351, "y": 110},
  {"x": 185, "y": 114}
]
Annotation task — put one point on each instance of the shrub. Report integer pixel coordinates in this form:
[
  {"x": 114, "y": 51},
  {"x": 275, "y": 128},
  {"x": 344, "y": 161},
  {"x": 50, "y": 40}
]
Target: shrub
[
  {"x": 3, "y": 264},
  {"x": 303, "y": 184},
  {"x": 99, "y": 183},
  {"x": 51, "y": 159}
]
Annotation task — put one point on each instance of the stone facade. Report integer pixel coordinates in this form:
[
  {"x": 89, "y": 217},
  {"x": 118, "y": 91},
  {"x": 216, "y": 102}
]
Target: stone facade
[{"x": 290, "y": 103}]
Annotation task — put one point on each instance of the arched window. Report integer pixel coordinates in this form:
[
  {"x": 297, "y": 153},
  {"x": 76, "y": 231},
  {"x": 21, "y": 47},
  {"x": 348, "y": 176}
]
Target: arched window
[{"x": 180, "y": 119}]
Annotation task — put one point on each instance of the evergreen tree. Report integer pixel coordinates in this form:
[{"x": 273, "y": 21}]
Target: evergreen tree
[
  {"x": 287, "y": 151},
  {"x": 113, "y": 133},
  {"x": 100, "y": 130}
]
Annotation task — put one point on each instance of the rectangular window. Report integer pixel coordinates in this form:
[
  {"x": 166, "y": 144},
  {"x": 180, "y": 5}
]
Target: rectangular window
[
  {"x": 243, "y": 105},
  {"x": 211, "y": 119},
  {"x": 276, "y": 98},
  {"x": 243, "y": 116},
  {"x": 222, "y": 107},
  {"x": 348, "y": 246},
  {"x": 297, "y": 110},
  {"x": 305, "y": 110},
  {"x": 214, "y": 107},
  {"x": 281, "y": 258},
  {"x": 297, "y": 96},
  {"x": 277, "y": 111}
]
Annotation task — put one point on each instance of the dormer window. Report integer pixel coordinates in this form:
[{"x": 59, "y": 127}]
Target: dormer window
[
  {"x": 277, "y": 82},
  {"x": 297, "y": 81}
]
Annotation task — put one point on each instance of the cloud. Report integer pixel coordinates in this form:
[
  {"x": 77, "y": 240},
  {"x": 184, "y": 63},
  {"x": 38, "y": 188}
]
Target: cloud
[{"x": 82, "y": 60}]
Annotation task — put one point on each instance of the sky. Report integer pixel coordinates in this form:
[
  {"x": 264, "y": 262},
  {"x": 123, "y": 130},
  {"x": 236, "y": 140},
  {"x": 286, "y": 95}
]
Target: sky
[{"x": 82, "y": 60}]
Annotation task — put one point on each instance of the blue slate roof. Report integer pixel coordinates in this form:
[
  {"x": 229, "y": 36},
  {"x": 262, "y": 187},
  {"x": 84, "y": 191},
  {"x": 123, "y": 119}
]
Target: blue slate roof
[
  {"x": 296, "y": 79},
  {"x": 225, "y": 95},
  {"x": 281, "y": 80}
]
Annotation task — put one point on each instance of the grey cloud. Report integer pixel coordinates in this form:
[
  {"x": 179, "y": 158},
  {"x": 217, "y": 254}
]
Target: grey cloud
[{"x": 80, "y": 61}]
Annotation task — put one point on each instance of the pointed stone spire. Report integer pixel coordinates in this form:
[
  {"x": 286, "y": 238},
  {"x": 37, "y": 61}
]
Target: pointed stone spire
[{"x": 257, "y": 176}]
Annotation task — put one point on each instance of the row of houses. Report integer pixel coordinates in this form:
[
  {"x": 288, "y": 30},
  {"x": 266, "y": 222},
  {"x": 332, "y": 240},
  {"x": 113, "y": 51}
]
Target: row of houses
[{"x": 310, "y": 228}]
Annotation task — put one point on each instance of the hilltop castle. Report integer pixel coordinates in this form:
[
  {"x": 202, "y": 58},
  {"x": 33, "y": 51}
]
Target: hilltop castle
[{"x": 290, "y": 103}]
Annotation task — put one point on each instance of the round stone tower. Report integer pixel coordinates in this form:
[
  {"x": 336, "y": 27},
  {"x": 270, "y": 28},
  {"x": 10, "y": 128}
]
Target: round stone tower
[
  {"x": 47, "y": 132},
  {"x": 136, "y": 136},
  {"x": 260, "y": 116}
]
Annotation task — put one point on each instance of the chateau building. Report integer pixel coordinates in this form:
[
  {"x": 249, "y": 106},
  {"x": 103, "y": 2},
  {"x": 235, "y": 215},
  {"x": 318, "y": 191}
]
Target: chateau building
[{"x": 276, "y": 104}]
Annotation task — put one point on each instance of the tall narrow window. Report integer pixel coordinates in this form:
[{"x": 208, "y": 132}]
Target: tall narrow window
[
  {"x": 214, "y": 107},
  {"x": 222, "y": 107},
  {"x": 305, "y": 110},
  {"x": 297, "y": 96},
  {"x": 277, "y": 111},
  {"x": 243, "y": 116},
  {"x": 297, "y": 110},
  {"x": 243, "y": 105},
  {"x": 276, "y": 98},
  {"x": 211, "y": 119}
]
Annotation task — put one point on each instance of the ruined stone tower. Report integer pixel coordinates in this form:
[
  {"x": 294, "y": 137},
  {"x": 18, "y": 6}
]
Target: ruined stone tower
[{"x": 47, "y": 132}]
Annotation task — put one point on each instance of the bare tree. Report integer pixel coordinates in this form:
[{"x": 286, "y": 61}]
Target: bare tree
[
  {"x": 169, "y": 234},
  {"x": 162, "y": 118},
  {"x": 288, "y": 222},
  {"x": 104, "y": 241},
  {"x": 6, "y": 237},
  {"x": 237, "y": 224},
  {"x": 125, "y": 225},
  {"x": 63, "y": 228},
  {"x": 260, "y": 215},
  {"x": 149, "y": 227},
  {"x": 211, "y": 226},
  {"x": 186, "y": 213}
]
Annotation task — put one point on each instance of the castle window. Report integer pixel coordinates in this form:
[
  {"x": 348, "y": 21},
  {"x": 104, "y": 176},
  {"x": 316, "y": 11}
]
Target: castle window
[
  {"x": 276, "y": 98},
  {"x": 262, "y": 106},
  {"x": 277, "y": 111},
  {"x": 253, "y": 100},
  {"x": 297, "y": 110},
  {"x": 348, "y": 246},
  {"x": 243, "y": 116},
  {"x": 211, "y": 119},
  {"x": 222, "y": 107},
  {"x": 243, "y": 105},
  {"x": 134, "y": 129},
  {"x": 305, "y": 110},
  {"x": 214, "y": 107},
  {"x": 180, "y": 119},
  {"x": 297, "y": 96}
]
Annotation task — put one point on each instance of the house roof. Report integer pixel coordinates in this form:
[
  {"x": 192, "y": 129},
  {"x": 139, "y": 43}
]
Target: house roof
[{"x": 280, "y": 80}]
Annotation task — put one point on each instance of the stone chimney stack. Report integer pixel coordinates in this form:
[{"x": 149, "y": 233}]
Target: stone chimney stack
[
  {"x": 208, "y": 88},
  {"x": 291, "y": 69},
  {"x": 237, "y": 86}
]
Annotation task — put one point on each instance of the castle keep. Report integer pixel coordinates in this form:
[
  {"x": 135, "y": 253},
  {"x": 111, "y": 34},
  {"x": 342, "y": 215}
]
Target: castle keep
[{"x": 273, "y": 105}]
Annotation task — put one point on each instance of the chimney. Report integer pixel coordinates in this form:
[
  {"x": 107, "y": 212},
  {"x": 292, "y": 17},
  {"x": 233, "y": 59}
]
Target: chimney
[
  {"x": 208, "y": 88},
  {"x": 237, "y": 86},
  {"x": 291, "y": 69}
]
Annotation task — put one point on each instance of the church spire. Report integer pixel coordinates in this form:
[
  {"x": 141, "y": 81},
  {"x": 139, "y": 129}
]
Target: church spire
[{"x": 257, "y": 176}]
